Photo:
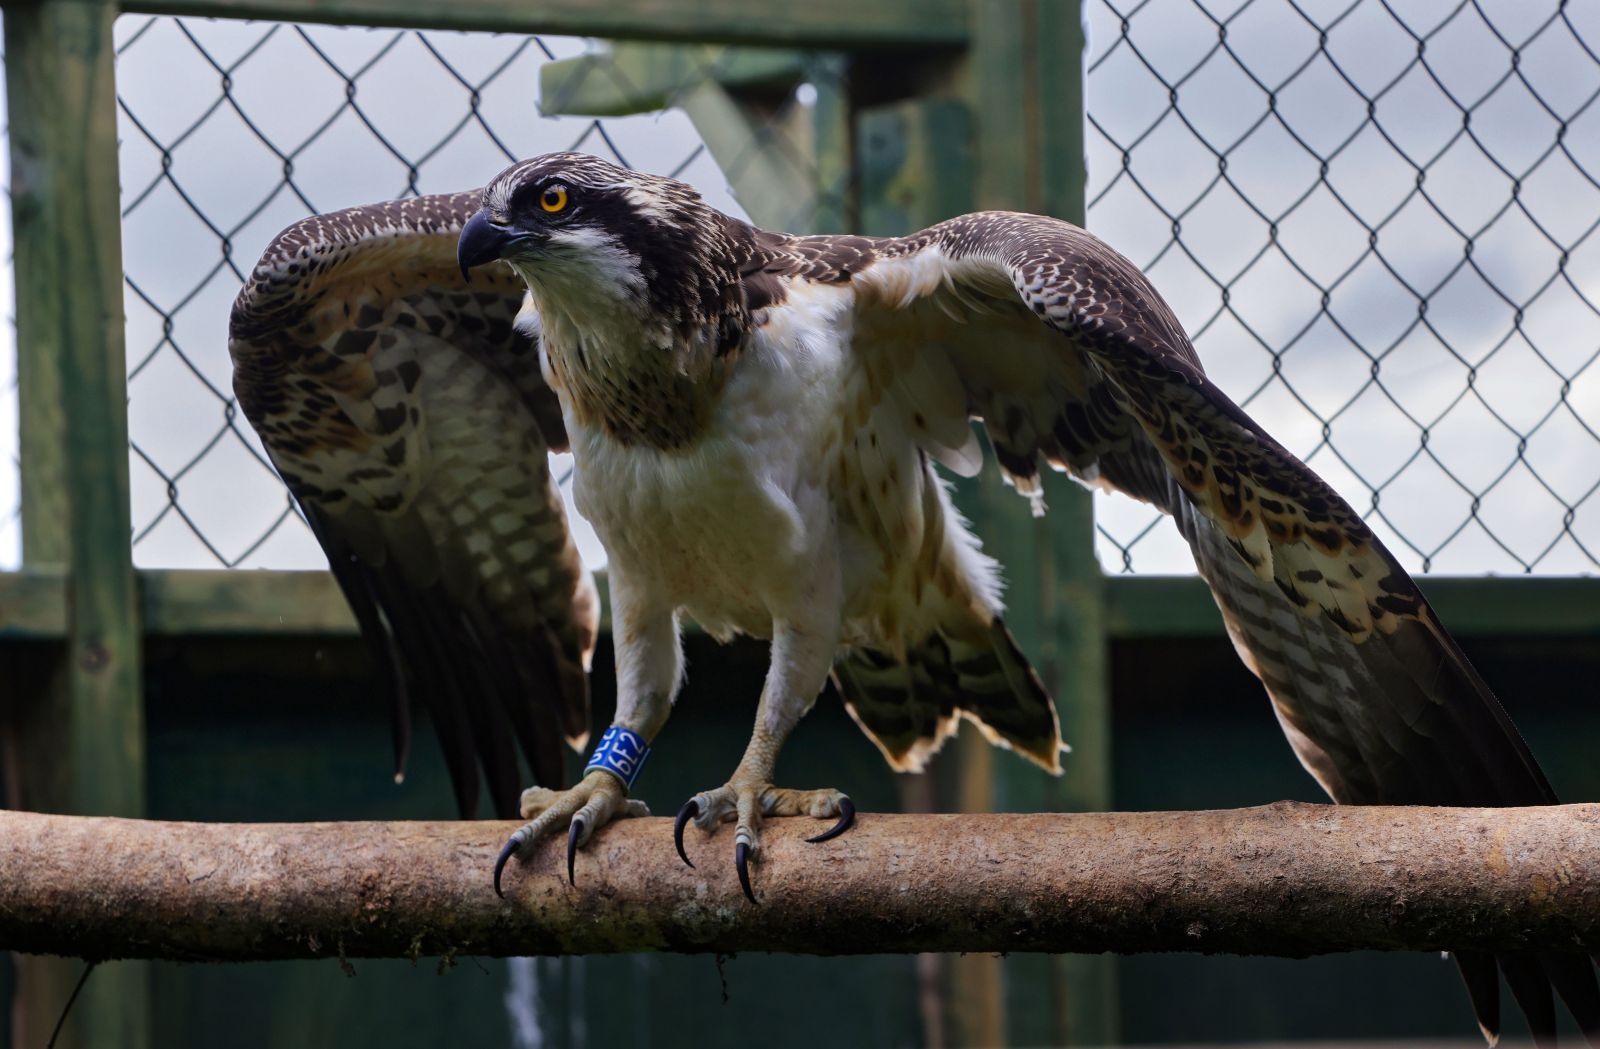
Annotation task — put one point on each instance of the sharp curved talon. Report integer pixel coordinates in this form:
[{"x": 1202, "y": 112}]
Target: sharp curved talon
[
  {"x": 741, "y": 863},
  {"x": 690, "y": 810},
  {"x": 847, "y": 816},
  {"x": 506, "y": 852},
  {"x": 573, "y": 833}
]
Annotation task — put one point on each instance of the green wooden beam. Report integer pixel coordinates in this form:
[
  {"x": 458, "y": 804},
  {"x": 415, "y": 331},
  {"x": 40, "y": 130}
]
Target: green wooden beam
[
  {"x": 33, "y": 605},
  {"x": 848, "y": 24},
  {"x": 785, "y": 165},
  {"x": 630, "y": 78},
  {"x": 220, "y": 602},
  {"x": 83, "y": 729},
  {"x": 179, "y": 603},
  {"x": 1140, "y": 607}
]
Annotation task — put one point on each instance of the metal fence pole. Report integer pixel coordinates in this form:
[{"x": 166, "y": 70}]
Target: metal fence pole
[{"x": 83, "y": 733}]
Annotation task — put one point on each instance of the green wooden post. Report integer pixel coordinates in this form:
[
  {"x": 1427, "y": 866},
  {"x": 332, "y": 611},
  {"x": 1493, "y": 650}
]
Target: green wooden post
[
  {"x": 831, "y": 152},
  {"x": 1024, "y": 81},
  {"x": 914, "y": 158},
  {"x": 914, "y": 164},
  {"x": 1015, "y": 142},
  {"x": 83, "y": 731}
]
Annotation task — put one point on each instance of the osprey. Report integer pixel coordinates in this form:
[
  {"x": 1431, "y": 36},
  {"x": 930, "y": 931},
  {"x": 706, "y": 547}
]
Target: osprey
[{"x": 755, "y": 420}]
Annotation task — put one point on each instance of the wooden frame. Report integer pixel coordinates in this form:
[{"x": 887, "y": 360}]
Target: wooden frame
[{"x": 816, "y": 23}]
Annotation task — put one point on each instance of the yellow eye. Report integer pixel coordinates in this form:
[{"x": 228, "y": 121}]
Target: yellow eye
[{"x": 553, "y": 199}]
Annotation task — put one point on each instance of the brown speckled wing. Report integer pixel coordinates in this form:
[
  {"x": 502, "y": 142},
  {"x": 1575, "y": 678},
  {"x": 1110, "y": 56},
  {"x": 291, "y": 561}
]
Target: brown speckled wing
[
  {"x": 1375, "y": 697},
  {"x": 411, "y": 422}
]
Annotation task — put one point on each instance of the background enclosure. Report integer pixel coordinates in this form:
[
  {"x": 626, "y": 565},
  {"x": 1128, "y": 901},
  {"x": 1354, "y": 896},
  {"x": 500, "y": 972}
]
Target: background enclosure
[{"x": 1376, "y": 218}]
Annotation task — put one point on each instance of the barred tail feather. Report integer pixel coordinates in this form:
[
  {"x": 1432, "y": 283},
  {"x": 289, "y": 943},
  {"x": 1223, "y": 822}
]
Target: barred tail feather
[
  {"x": 1006, "y": 699},
  {"x": 898, "y": 705},
  {"x": 910, "y": 707}
]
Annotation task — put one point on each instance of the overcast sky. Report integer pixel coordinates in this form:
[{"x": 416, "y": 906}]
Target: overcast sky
[
  {"x": 1519, "y": 373},
  {"x": 1536, "y": 379}
]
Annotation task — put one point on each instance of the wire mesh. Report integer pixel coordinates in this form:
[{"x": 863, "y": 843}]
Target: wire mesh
[
  {"x": 1378, "y": 220},
  {"x": 230, "y": 131}
]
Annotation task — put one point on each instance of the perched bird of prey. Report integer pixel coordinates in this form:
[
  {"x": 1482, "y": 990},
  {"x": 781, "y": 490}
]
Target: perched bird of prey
[{"x": 755, "y": 420}]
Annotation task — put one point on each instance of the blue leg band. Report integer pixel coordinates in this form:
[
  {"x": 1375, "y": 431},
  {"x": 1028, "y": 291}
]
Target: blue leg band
[{"x": 621, "y": 752}]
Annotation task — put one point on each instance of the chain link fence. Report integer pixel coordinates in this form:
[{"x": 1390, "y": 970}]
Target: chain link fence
[
  {"x": 1378, "y": 219},
  {"x": 231, "y": 131}
]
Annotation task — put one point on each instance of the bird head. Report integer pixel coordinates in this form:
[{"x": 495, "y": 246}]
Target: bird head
[
  {"x": 635, "y": 286},
  {"x": 587, "y": 234}
]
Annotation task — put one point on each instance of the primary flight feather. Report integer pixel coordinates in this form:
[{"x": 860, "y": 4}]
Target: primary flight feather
[
  {"x": 755, "y": 420},
  {"x": 410, "y": 422}
]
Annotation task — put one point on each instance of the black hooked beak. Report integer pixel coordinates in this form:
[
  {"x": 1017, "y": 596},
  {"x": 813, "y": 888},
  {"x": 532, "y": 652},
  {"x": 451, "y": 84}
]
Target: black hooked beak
[{"x": 483, "y": 241}]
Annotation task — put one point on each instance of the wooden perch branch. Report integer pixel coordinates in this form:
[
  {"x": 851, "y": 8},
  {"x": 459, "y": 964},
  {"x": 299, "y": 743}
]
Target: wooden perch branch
[{"x": 1286, "y": 879}]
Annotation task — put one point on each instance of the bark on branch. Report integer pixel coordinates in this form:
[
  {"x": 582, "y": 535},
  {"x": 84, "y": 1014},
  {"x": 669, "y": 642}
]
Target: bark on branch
[{"x": 1286, "y": 879}]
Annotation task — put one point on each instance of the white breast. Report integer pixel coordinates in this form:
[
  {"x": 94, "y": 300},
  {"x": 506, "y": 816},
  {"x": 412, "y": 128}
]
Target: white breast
[{"x": 731, "y": 527}]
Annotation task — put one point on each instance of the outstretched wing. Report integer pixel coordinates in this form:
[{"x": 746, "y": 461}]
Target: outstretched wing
[
  {"x": 1068, "y": 354},
  {"x": 411, "y": 422}
]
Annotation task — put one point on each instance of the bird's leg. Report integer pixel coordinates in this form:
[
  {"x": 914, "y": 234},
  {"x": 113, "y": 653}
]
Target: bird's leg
[
  {"x": 800, "y": 662},
  {"x": 648, "y": 675}
]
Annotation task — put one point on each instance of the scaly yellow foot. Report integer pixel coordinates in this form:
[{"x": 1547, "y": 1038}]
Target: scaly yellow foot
[
  {"x": 594, "y": 801},
  {"x": 748, "y": 798}
]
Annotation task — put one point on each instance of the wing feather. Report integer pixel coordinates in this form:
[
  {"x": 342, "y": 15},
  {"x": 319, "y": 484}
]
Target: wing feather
[
  {"x": 1087, "y": 368},
  {"x": 411, "y": 422}
]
